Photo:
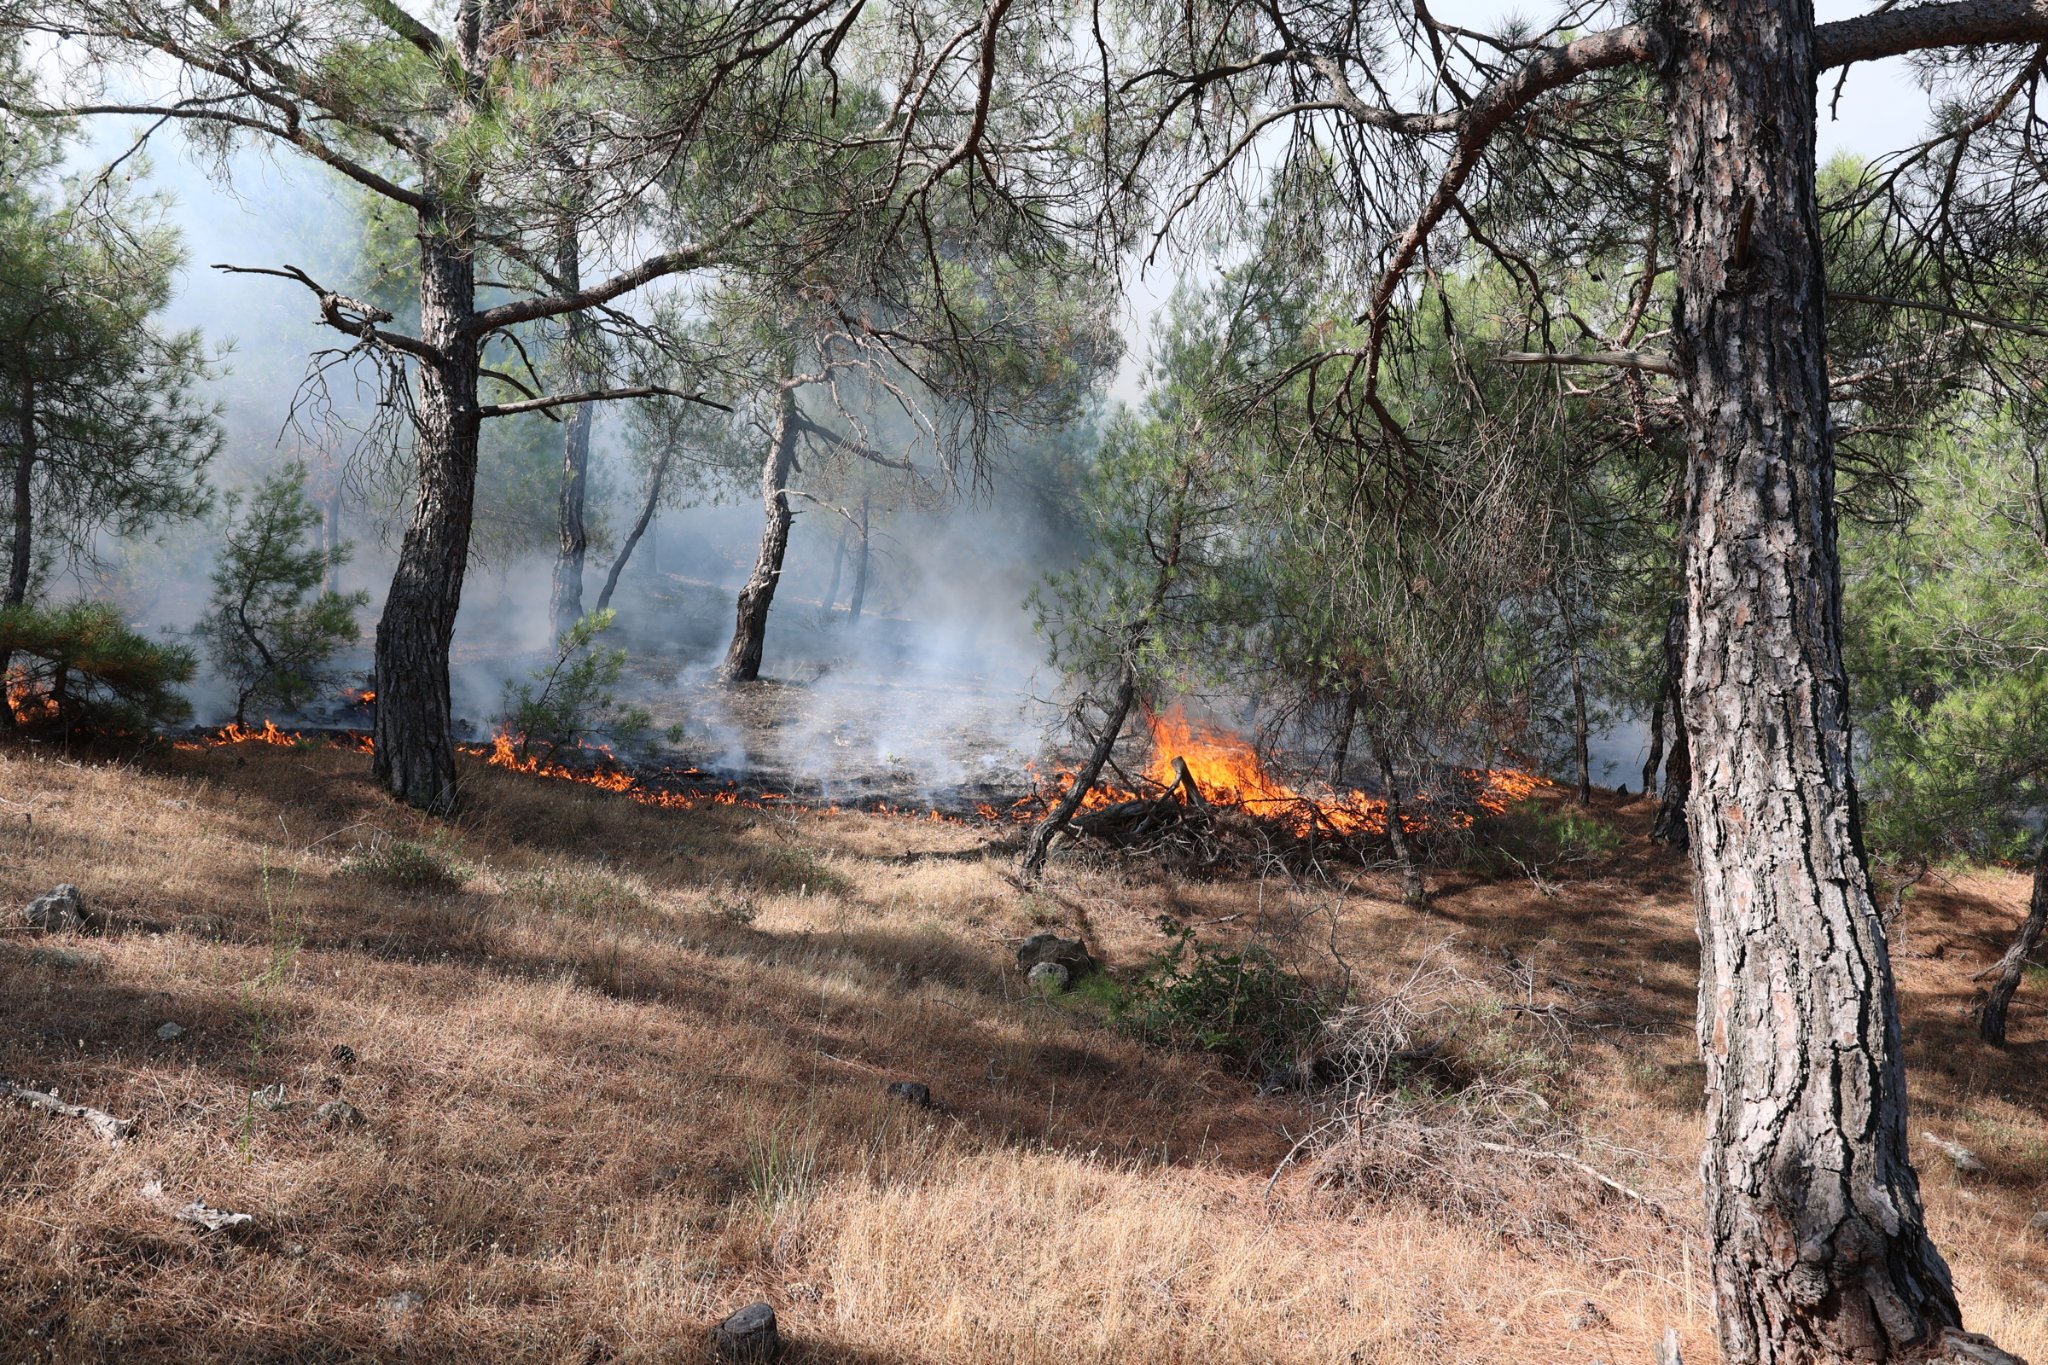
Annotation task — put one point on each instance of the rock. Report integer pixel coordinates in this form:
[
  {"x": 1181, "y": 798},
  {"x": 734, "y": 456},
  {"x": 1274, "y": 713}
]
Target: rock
[
  {"x": 2038, "y": 1224},
  {"x": 58, "y": 910},
  {"x": 911, "y": 1092},
  {"x": 1965, "y": 1161},
  {"x": 1049, "y": 978},
  {"x": 1070, "y": 953},
  {"x": 209, "y": 1219},
  {"x": 339, "y": 1114},
  {"x": 168, "y": 1032},
  {"x": 63, "y": 959},
  {"x": 405, "y": 1301},
  {"x": 748, "y": 1334}
]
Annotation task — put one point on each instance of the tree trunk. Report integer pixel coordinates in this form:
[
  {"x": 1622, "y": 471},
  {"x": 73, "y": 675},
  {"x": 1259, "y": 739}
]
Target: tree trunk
[
  {"x": 1666, "y": 687},
  {"x": 2013, "y": 966},
  {"x": 566, "y": 600},
  {"x": 1580, "y": 740},
  {"x": 655, "y": 478},
  {"x": 415, "y": 743},
  {"x": 757, "y": 594},
  {"x": 832, "y": 588},
  {"x": 1413, "y": 891},
  {"x": 1671, "y": 827},
  {"x": 1340, "y": 753},
  {"x": 1045, "y": 831},
  {"x": 21, "y": 555},
  {"x": 860, "y": 568},
  {"x": 1820, "y": 1248}
]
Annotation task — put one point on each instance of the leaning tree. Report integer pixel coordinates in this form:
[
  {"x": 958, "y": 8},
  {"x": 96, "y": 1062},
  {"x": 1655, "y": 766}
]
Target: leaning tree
[{"x": 1414, "y": 128}]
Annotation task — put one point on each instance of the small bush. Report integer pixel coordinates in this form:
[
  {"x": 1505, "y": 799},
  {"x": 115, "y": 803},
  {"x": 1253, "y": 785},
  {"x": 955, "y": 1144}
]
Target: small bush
[
  {"x": 1537, "y": 837},
  {"x": 581, "y": 893},
  {"x": 81, "y": 664},
  {"x": 409, "y": 864},
  {"x": 1243, "y": 1004},
  {"x": 576, "y": 696}
]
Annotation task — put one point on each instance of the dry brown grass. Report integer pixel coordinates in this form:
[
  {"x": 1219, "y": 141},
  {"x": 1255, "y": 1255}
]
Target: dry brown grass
[{"x": 623, "y": 1071}]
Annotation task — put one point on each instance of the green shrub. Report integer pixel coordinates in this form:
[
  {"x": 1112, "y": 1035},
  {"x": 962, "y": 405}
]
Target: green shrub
[
  {"x": 82, "y": 664},
  {"x": 1537, "y": 836},
  {"x": 409, "y": 864},
  {"x": 1243, "y": 1004},
  {"x": 576, "y": 696}
]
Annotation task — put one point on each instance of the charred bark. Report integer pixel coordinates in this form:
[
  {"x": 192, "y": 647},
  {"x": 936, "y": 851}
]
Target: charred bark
[
  {"x": 2013, "y": 966},
  {"x": 1414, "y": 892},
  {"x": 1821, "y": 1252},
  {"x": 1671, "y": 828},
  {"x": 415, "y": 742},
  {"x": 757, "y": 594},
  {"x": 565, "y": 601},
  {"x": 656, "y": 477}
]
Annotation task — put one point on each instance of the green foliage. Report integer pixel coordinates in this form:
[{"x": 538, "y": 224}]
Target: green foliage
[
  {"x": 1243, "y": 1003},
  {"x": 1541, "y": 836},
  {"x": 81, "y": 664},
  {"x": 106, "y": 406},
  {"x": 270, "y": 634},
  {"x": 577, "y": 695},
  {"x": 409, "y": 864},
  {"x": 1948, "y": 648}
]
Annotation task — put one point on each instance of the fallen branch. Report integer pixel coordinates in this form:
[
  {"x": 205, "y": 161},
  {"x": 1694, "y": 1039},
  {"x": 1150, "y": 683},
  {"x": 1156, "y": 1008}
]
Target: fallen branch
[
  {"x": 105, "y": 1124},
  {"x": 1593, "y": 1173},
  {"x": 209, "y": 1219}
]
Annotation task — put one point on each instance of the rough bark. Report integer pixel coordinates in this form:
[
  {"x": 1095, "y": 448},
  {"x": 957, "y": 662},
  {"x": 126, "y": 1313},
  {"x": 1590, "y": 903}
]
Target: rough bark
[
  {"x": 656, "y": 477},
  {"x": 1655, "y": 761},
  {"x": 566, "y": 599},
  {"x": 415, "y": 744},
  {"x": 1413, "y": 891},
  {"x": 1821, "y": 1252},
  {"x": 757, "y": 594},
  {"x": 1671, "y": 828},
  {"x": 2013, "y": 966}
]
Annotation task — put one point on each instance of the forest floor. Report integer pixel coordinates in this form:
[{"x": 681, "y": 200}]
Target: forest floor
[{"x": 622, "y": 1070}]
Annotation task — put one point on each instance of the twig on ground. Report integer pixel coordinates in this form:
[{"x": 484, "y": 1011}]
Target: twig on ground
[{"x": 106, "y": 1125}]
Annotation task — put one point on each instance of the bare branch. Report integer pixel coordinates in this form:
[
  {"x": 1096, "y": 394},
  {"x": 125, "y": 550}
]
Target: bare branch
[
  {"x": 1627, "y": 360},
  {"x": 563, "y": 400},
  {"x": 344, "y": 314}
]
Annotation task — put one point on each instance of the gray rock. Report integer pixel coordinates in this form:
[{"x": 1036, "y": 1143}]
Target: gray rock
[
  {"x": 1050, "y": 978},
  {"x": 58, "y": 910},
  {"x": 209, "y": 1219},
  {"x": 63, "y": 959},
  {"x": 168, "y": 1032},
  {"x": 911, "y": 1092},
  {"x": 2039, "y": 1223},
  {"x": 339, "y": 1114},
  {"x": 1069, "y": 953},
  {"x": 1965, "y": 1161},
  {"x": 405, "y": 1301},
  {"x": 749, "y": 1334}
]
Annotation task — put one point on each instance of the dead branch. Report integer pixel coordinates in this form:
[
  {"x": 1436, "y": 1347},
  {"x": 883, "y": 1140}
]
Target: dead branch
[{"x": 106, "y": 1125}]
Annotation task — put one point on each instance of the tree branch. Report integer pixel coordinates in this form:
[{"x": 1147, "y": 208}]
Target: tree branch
[
  {"x": 1627, "y": 360},
  {"x": 344, "y": 314},
  {"x": 562, "y": 400},
  {"x": 1962, "y": 23},
  {"x": 692, "y": 257}
]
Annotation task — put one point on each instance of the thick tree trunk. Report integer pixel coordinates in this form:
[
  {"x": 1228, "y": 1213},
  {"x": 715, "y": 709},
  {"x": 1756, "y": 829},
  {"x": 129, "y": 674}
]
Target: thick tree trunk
[
  {"x": 1821, "y": 1252},
  {"x": 656, "y": 477},
  {"x": 566, "y": 600},
  {"x": 2013, "y": 966},
  {"x": 1671, "y": 825},
  {"x": 1413, "y": 891},
  {"x": 860, "y": 568},
  {"x": 415, "y": 743},
  {"x": 1340, "y": 752},
  {"x": 757, "y": 594}
]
